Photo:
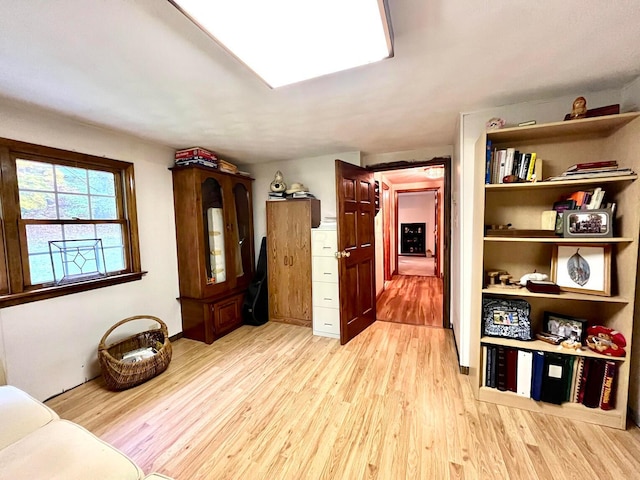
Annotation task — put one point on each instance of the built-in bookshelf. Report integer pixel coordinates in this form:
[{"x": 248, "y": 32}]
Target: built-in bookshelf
[{"x": 559, "y": 145}]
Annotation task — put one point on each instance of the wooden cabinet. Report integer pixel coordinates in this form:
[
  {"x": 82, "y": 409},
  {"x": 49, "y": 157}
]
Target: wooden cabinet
[
  {"x": 214, "y": 233},
  {"x": 325, "y": 289},
  {"x": 289, "y": 225},
  {"x": 559, "y": 145}
]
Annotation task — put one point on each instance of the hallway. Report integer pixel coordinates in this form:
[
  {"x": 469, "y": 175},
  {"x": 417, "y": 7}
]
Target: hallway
[
  {"x": 412, "y": 300},
  {"x": 422, "y": 266}
]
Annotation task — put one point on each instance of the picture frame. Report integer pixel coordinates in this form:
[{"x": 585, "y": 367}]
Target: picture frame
[
  {"x": 565, "y": 326},
  {"x": 582, "y": 268},
  {"x": 506, "y": 318},
  {"x": 587, "y": 223}
]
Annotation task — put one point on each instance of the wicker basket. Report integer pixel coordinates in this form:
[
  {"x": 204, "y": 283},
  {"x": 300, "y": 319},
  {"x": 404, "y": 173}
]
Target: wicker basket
[{"x": 120, "y": 375}]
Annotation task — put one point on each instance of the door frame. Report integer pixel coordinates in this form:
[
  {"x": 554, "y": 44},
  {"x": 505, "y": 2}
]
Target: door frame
[
  {"x": 414, "y": 190},
  {"x": 386, "y": 231},
  {"x": 446, "y": 221}
]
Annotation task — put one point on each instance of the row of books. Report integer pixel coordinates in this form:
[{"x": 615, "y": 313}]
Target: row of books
[
  {"x": 509, "y": 162},
  {"x": 581, "y": 200},
  {"x": 202, "y": 156},
  {"x": 602, "y": 169},
  {"x": 550, "y": 377}
]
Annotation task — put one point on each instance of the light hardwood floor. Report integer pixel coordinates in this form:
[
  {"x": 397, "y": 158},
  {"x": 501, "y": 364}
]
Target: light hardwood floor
[
  {"x": 274, "y": 402},
  {"x": 412, "y": 300},
  {"x": 410, "y": 265}
]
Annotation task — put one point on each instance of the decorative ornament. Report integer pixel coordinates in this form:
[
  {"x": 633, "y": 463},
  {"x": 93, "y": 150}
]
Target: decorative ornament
[
  {"x": 579, "y": 109},
  {"x": 606, "y": 341},
  {"x": 495, "y": 123},
  {"x": 278, "y": 184},
  {"x": 578, "y": 269}
]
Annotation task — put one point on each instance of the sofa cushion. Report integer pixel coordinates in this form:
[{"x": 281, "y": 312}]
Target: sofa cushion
[
  {"x": 20, "y": 414},
  {"x": 63, "y": 450}
]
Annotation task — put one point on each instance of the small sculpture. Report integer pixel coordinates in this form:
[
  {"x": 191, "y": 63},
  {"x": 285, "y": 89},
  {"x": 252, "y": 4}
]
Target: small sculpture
[
  {"x": 495, "y": 123},
  {"x": 278, "y": 184},
  {"x": 579, "y": 109}
]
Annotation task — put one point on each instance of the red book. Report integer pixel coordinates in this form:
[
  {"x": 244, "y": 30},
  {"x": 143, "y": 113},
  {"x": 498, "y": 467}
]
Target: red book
[
  {"x": 607, "y": 394},
  {"x": 195, "y": 152},
  {"x": 592, "y": 165},
  {"x": 583, "y": 379}
]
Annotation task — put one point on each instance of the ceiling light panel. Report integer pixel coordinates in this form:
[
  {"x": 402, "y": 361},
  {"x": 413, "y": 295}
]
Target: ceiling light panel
[{"x": 287, "y": 41}]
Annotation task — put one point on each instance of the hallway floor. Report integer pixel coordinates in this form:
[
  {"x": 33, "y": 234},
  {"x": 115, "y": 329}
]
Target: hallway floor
[
  {"x": 413, "y": 300},
  {"x": 411, "y": 265}
]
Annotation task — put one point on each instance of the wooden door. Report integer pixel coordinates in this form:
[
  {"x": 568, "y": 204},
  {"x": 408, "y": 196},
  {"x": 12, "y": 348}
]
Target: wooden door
[{"x": 356, "y": 267}]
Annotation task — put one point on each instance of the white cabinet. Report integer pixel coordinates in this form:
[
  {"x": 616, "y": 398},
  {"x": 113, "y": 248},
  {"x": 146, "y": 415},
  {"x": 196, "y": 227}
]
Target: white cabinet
[{"x": 325, "y": 292}]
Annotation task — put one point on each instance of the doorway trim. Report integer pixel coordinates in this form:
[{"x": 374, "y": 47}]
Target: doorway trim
[
  {"x": 446, "y": 237},
  {"x": 439, "y": 232}
]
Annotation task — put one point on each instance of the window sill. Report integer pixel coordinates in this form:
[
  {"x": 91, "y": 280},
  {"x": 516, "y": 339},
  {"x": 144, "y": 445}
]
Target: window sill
[{"x": 44, "y": 293}]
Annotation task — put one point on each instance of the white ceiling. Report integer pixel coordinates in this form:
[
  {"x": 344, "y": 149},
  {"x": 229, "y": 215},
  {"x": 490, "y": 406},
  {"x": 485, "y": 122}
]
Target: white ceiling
[{"x": 141, "y": 67}]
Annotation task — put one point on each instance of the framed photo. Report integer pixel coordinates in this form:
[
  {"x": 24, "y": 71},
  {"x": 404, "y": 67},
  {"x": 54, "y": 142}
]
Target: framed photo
[
  {"x": 587, "y": 223},
  {"x": 565, "y": 326},
  {"x": 506, "y": 318},
  {"x": 582, "y": 268}
]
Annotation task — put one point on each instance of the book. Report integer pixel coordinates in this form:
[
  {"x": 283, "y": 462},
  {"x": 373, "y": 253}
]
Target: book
[
  {"x": 524, "y": 166},
  {"x": 548, "y": 220},
  {"x": 195, "y": 151},
  {"x": 512, "y": 369},
  {"x": 487, "y": 172},
  {"x": 586, "y": 365},
  {"x": 532, "y": 165},
  {"x": 502, "y": 159},
  {"x": 570, "y": 362},
  {"x": 575, "y": 379},
  {"x": 592, "y": 165},
  {"x": 493, "y": 354},
  {"x": 501, "y": 368},
  {"x": 508, "y": 169},
  {"x": 525, "y": 366},
  {"x": 608, "y": 385},
  {"x": 593, "y": 386},
  {"x": 554, "y": 378},
  {"x": 584, "y": 175},
  {"x": 485, "y": 366},
  {"x": 537, "y": 374}
]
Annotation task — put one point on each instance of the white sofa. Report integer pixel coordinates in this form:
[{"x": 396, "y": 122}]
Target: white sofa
[{"x": 36, "y": 444}]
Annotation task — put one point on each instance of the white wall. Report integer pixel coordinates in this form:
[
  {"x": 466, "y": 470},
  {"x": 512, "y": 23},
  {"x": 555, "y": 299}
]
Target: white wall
[
  {"x": 316, "y": 173},
  {"x": 50, "y": 345},
  {"x": 456, "y": 240}
]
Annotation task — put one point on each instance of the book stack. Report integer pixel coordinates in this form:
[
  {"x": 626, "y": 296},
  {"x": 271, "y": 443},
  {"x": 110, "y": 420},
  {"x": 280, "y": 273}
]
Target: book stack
[
  {"x": 602, "y": 169},
  {"x": 510, "y": 162},
  {"x": 228, "y": 167},
  {"x": 551, "y": 377},
  {"x": 196, "y": 156},
  {"x": 277, "y": 196}
]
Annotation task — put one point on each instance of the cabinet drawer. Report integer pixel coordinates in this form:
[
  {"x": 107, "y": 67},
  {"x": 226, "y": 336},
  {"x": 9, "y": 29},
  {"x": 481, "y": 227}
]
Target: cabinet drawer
[
  {"x": 326, "y": 320},
  {"x": 325, "y": 294},
  {"x": 324, "y": 243},
  {"x": 325, "y": 269},
  {"x": 227, "y": 314}
]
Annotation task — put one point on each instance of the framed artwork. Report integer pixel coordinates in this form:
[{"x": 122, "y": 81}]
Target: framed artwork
[
  {"x": 587, "y": 223},
  {"x": 582, "y": 268},
  {"x": 565, "y": 326}
]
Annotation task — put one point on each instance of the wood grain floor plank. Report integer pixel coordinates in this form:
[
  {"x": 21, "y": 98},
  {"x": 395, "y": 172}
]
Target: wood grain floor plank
[{"x": 275, "y": 402}]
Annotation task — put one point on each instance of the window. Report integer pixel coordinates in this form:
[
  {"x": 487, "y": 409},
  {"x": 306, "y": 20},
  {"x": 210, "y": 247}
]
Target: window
[{"x": 68, "y": 222}]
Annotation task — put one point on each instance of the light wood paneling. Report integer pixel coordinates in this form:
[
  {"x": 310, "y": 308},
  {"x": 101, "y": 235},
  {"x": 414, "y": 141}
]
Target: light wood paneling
[{"x": 275, "y": 402}]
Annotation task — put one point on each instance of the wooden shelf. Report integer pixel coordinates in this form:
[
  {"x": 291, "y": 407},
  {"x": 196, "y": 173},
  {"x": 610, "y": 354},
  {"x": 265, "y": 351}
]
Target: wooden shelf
[
  {"x": 594, "y": 127},
  {"x": 576, "y": 411},
  {"x": 558, "y": 183},
  {"x": 562, "y": 240},
  {"x": 540, "y": 346},
  {"x": 582, "y": 297}
]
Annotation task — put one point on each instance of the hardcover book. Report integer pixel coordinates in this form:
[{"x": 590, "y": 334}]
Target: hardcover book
[
  {"x": 593, "y": 387},
  {"x": 537, "y": 374},
  {"x": 501, "y": 368},
  {"x": 512, "y": 369},
  {"x": 608, "y": 385}
]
